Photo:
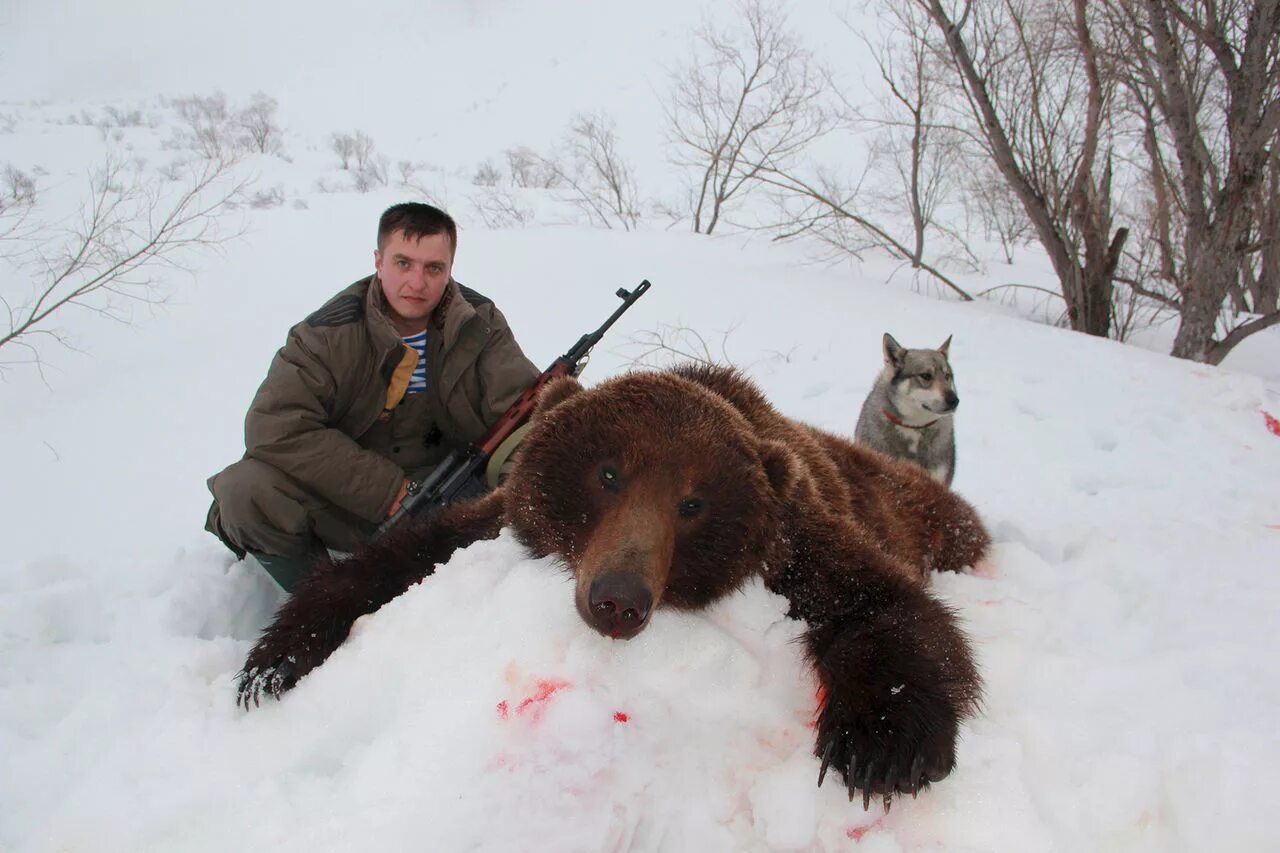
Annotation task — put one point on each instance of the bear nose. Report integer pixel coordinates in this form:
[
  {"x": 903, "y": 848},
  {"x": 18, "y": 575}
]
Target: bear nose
[{"x": 619, "y": 604}]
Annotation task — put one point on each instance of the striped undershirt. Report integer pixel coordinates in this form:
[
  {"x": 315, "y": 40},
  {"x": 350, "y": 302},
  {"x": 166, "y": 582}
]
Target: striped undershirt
[{"x": 418, "y": 383}]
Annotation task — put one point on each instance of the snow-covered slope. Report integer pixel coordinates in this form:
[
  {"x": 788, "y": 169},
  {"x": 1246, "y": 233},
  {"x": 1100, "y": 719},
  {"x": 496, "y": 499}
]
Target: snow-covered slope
[
  {"x": 1123, "y": 622},
  {"x": 1124, "y": 629}
]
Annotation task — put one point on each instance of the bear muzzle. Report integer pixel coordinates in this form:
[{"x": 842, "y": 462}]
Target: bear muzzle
[
  {"x": 625, "y": 564},
  {"x": 618, "y": 604}
]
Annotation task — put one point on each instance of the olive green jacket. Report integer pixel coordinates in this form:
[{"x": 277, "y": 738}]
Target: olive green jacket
[{"x": 345, "y": 369}]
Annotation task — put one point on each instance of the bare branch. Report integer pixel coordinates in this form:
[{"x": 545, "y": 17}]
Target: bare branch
[
  {"x": 672, "y": 343},
  {"x": 749, "y": 95},
  {"x": 599, "y": 180},
  {"x": 825, "y": 206},
  {"x": 129, "y": 228}
]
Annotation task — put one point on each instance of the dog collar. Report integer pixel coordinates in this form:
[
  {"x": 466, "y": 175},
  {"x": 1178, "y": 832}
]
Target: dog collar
[{"x": 898, "y": 422}]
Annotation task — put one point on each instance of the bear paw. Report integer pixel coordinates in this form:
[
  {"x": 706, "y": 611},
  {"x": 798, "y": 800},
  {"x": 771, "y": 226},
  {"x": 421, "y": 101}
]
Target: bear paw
[
  {"x": 273, "y": 680},
  {"x": 896, "y": 748}
]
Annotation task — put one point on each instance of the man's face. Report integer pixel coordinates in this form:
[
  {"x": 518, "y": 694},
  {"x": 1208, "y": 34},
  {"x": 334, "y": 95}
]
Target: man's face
[{"x": 413, "y": 275}]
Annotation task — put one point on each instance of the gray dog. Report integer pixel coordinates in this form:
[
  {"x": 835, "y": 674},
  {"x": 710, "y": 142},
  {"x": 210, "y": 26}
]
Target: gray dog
[{"x": 908, "y": 412}]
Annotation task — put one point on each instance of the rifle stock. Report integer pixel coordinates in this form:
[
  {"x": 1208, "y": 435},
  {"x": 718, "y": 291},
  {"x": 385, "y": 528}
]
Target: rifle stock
[{"x": 457, "y": 477}]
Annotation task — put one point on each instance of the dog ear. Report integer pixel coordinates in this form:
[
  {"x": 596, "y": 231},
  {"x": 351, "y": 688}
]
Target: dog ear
[
  {"x": 946, "y": 347},
  {"x": 554, "y": 393},
  {"x": 894, "y": 352}
]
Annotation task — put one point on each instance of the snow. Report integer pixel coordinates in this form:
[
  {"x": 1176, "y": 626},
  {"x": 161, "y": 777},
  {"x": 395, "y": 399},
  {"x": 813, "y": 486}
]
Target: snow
[{"x": 1123, "y": 620}]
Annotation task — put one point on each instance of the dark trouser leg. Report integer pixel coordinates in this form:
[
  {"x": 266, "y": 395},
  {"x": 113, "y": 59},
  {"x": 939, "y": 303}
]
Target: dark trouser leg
[
  {"x": 287, "y": 572},
  {"x": 259, "y": 509}
]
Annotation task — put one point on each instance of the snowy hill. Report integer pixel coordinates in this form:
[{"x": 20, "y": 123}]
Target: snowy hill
[
  {"x": 1124, "y": 630},
  {"x": 1123, "y": 621}
]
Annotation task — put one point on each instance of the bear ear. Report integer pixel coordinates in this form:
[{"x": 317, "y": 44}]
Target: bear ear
[
  {"x": 779, "y": 466},
  {"x": 554, "y": 393}
]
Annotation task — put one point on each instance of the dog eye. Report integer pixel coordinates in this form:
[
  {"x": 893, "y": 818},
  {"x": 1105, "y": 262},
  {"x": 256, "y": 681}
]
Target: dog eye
[
  {"x": 690, "y": 507},
  {"x": 926, "y": 378},
  {"x": 610, "y": 478}
]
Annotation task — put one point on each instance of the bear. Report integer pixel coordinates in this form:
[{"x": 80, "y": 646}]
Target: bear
[{"x": 670, "y": 489}]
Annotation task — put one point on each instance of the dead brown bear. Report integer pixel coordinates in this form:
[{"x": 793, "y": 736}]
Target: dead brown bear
[{"x": 673, "y": 488}]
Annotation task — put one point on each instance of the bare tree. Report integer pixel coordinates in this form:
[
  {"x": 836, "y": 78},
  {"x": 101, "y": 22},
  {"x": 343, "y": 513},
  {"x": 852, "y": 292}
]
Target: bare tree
[
  {"x": 1262, "y": 276},
  {"x": 905, "y": 180},
  {"x": 120, "y": 118},
  {"x": 749, "y": 96},
  {"x": 17, "y": 201},
  {"x": 1035, "y": 89},
  {"x": 915, "y": 157},
  {"x": 208, "y": 126},
  {"x": 360, "y": 156},
  {"x": 598, "y": 178},
  {"x": 344, "y": 145},
  {"x": 17, "y": 189},
  {"x": 998, "y": 209},
  {"x": 128, "y": 228},
  {"x": 528, "y": 169},
  {"x": 370, "y": 172},
  {"x": 408, "y": 178},
  {"x": 1203, "y": 78},
  {"x": 363, "y": 150},
  {"x": 500, "y": 208},
  {"x": 257, "y": 121},
  {"x": 355, "y": 148},
  {"x": 487, "y": 174}
]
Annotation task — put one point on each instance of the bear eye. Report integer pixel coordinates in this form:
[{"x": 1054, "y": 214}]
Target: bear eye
[
  {"x": 610, "y": 478},
  {"x": 690, "y": 507}
]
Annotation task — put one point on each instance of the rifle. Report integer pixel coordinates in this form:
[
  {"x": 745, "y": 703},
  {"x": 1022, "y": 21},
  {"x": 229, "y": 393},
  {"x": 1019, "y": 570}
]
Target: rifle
[{"x": 457, "y": 476}]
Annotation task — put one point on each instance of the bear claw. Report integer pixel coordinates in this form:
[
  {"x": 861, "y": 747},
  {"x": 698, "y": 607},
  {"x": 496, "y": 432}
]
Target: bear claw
[
  {"x": 826, "y": 762},
  {"x": 274, "y": 680},
  {"x": 865, "y": 778}
]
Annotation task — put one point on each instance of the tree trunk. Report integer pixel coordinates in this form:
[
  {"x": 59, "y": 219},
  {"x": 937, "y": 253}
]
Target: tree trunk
[
  {"x": 1199, "y": 320},
  {"x": 1086, "y": 286},
  {"x": 1095, "y": 303}
]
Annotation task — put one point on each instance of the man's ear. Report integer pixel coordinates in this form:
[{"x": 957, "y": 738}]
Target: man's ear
[
  {"x": 779, "y": 466},
  {"x": 894, "y": 352},
  {"x": 554, "y": 393}
]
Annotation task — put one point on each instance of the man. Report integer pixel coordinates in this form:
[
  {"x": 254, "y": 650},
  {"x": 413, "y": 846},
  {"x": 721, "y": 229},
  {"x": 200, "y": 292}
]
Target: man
[{"x": 369, "y": 392}]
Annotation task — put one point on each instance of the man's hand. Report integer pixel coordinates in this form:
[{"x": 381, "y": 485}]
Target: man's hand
[{"x": 395, "y": 504}]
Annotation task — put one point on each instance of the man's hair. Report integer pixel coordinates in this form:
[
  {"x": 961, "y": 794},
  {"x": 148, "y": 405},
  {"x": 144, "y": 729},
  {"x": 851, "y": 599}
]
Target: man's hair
[{"x": 416, "y": 220}]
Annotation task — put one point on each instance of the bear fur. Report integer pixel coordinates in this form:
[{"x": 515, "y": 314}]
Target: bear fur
[{"x": 671, "y": 489}]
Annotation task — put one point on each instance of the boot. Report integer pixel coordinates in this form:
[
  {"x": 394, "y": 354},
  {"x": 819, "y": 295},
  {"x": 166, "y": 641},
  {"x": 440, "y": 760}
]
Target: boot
[{"x": 288, "y": 572}]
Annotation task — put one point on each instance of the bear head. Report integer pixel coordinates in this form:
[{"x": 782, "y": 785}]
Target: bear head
[{"x": 652, "y": 489}]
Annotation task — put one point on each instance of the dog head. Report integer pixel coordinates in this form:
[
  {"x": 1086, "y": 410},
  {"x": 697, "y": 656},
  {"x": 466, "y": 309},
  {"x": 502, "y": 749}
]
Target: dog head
[{"x": 921, "y": 383}]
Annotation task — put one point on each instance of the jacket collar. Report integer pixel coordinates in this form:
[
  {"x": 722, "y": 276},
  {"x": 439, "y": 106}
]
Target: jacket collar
[
  {"x": 453, "y": 312},
  {"x": 450, "y": 315}
]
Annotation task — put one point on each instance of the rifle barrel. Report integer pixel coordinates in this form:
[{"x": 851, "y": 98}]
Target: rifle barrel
[{"x": 586, "y": 342}]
